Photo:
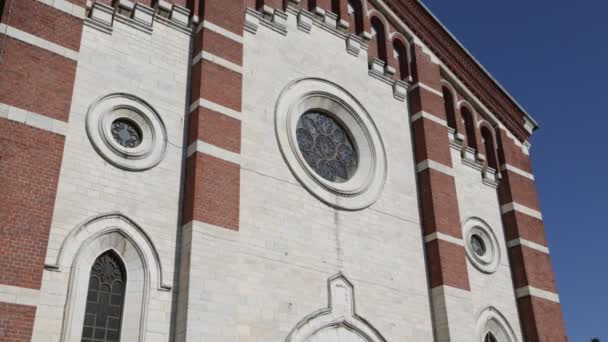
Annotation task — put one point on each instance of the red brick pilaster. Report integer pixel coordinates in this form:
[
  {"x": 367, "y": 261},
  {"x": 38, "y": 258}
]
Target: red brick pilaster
[
  {"x": 537, "y": 295},
  {"x": 212, "y": 192},
  {"x": 440, "y": 215},
  {"x": 37, "y": 72}
]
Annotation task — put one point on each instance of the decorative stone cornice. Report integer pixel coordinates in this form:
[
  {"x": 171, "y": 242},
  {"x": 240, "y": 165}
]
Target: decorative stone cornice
[{"x": 428, "y": 29}]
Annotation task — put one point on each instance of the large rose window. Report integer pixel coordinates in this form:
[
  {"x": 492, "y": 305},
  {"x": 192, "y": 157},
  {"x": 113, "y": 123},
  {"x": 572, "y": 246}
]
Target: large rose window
[{"x": 326, "y": 146}]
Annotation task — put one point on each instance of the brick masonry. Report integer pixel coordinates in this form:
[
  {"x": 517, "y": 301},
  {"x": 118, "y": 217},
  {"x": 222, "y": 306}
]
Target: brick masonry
[
  {"x": 254, "y": 248},
  {"x": 16, "y": 322}
]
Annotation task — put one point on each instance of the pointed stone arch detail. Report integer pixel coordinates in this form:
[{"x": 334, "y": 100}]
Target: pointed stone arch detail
[
  {"x": 104, "y": 224},
  {"x": 340, "y": 314}
]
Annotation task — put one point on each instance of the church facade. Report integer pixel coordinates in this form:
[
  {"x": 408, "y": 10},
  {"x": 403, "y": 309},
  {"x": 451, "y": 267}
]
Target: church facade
[{"x": 262, "y": 170}]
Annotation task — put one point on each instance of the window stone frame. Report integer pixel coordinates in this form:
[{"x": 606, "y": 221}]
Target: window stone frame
[
  {"x": 366, "y": 184},
  {"x": 490, "y": 261},
  {"x": 109, "y": 108}
]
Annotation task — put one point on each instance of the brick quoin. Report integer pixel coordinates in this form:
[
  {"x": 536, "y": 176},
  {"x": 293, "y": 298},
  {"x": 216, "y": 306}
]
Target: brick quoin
[
  {"x": 431, "y": 139},
  {"x": 447, "y": 264},
  {"x": 46, "y": 22},
  {"x": 518, "y": 225},
  {"x": 541, "y": 319},
  {"x": 36, "y": 80},
  {"x": 215, "y": 83},
  {"x": 532, "y": 268},
  {"x": 30, "y": 160},
  {"x": 215, "y": 128},
  {"x": 212, "y": 191},
  {"x": 16, "y": 322},
  {"x": 438, "y": 200},
  {"x": 219, "y": 45},
  {"x": 518, "y": 189}
]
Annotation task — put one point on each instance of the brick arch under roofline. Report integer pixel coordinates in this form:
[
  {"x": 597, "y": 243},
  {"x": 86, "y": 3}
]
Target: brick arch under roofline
[
  {"x": 417, "y": 18},
  {"x": 464, "y": 104},
  {"x": 103, "y": 224},
  {"x": 388, "y": 48},
  {"x": 483, "y": 124},
  {"x": 457, "y": 117},
  {"x": 398, "y": 37}
]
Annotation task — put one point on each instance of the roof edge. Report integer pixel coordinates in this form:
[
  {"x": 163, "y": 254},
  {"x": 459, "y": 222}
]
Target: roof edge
[{"x": 470, "y": 55}]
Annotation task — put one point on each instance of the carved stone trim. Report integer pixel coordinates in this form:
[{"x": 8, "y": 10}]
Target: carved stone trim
[{"x": 340, "y": 314}]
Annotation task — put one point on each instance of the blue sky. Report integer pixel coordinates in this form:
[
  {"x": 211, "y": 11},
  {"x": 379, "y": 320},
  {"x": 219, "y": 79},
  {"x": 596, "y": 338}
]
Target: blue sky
[{"x": 552, "y": 56}]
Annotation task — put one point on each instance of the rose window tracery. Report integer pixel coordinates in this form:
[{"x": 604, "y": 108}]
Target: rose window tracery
[{"x": 326, "y": 146}]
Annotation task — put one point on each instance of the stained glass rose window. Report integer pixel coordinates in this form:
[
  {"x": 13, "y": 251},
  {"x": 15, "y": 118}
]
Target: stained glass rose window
[{"x": 326, "y": 146}]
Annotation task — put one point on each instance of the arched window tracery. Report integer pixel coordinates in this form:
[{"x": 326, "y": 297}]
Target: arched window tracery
[{"x": 105, "y": 300}]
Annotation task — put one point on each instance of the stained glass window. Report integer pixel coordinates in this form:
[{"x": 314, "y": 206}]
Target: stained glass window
[
  {"x": 126, "y": 133},
  {"x": 490, "y": 338},
  {"x": 479, "y": 247},
  {"x": 103, "y": 313},
  {"x": 326, "y": 146}
]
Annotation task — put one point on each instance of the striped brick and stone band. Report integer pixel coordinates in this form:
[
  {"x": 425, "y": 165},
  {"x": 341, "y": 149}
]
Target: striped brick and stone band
[
  {"x": 538, "y": 302},
  {"x": 445, "y": 253},
  {"x": 37, "y": 73}
]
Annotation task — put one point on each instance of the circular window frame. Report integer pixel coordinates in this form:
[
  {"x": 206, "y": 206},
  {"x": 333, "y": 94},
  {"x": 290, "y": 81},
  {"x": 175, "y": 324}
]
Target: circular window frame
[
  {"x": 489, "y": 262},
  {"x": 109, "y": 108},
  {"x": 313, "y": 94}
]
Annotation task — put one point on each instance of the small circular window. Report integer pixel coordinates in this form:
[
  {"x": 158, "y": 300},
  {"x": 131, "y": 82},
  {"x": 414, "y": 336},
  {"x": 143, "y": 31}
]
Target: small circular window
[
  {"x": 326, "y": 146},
  {"x": 481, "y": 245},
  {"x": 126, "y": 132}
]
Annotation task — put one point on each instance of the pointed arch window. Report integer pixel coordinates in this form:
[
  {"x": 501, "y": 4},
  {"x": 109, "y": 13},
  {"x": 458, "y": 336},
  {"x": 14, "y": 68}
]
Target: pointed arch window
[
  {"x": 105, "y": 300},
  {"x": 490, "y": 338}
]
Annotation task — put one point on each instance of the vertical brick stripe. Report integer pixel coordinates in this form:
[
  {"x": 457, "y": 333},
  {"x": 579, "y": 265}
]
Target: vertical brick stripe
[
  {"x": 30, "y": 160},
  {"x": 36, "y": 80},
  {"x": 541, "y": 319},
  {"x": 216, "y": 129},
  {"x": 518, "y": 225},
  {"x": 46, "y": 22},
  {"x": 215, "y": 83},
  {"x": 212, "y": 191},
  {"x": 212, "y": 184},
  {"x": 507, "y": 150},
  {"x": 532, "y": 268},
  {"x": 520, "y": 189},
  {"x": 438, "y": 201},
  {"x": 431, "y": 140},
  {"x": 446, "y": 261},
  {"x": 219, "y": 45},
  {"x": 422, "y": 99},
  {"x": 16, "y": 322},
  {"x": 39, "y": 81},
  {"x": 447, "y": 264}
]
